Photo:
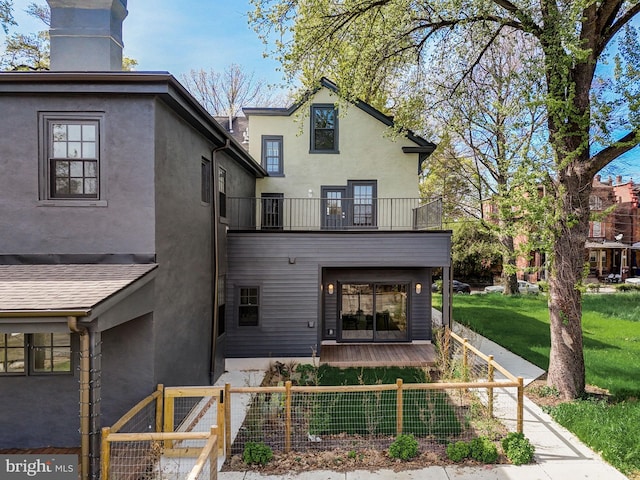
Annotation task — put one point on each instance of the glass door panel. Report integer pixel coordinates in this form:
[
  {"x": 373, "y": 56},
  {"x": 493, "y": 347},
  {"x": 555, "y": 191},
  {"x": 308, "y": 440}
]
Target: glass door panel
[
  {"x": 334, "y": 209},
  {"x": 356, "y": 312},
  {"x": 391, "y": 312}
]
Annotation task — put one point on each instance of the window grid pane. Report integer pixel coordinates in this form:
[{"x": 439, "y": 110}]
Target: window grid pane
[
  {"x": 12, "y": 353},
  {"x": 324, "y": 128},
  {"x": 77, "y": 178},
  {"x": 248, "y": 311}
]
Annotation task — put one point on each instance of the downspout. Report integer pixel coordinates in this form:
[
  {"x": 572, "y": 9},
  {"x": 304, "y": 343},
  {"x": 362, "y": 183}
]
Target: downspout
[
  {"x": 215, "y": 246},
  {"x": 72, "y": 323}
]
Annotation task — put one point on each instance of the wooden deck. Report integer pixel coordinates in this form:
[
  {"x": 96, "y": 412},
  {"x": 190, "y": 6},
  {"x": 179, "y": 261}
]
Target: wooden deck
[{"x": 378, "y": 355}]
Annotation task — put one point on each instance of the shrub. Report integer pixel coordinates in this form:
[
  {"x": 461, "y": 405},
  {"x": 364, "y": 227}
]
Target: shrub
[
  {"x": 517, "y": 448},
  {"x": 257, "y": 453},
  {"x": 458, "y": 451},
  {"x": 404, "y": 447},
  {"x": 483, "y": 450}
]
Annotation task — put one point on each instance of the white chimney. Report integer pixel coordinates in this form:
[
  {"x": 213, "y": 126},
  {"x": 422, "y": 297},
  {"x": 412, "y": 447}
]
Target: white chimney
[{"x": 86, "y": 35}]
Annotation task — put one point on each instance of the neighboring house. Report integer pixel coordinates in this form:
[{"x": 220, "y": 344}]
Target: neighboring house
[
  {"x": 613, "y": 245},
  {"x": 112, "y": 255},
  {"x": 338, "y": 248}
]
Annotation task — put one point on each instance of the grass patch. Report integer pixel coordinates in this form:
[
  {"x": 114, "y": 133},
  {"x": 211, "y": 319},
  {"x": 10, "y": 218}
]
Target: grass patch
[
  {"x": 610, "y": 324},
  {"x": 611, "y": 332},
  {"x": 425, "y": 413},
  {"x": 606, "y": 428}
]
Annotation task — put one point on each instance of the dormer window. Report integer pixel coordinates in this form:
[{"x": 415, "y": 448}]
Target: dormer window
[
  {"x": 324, "y": 128},
  {"x": 595, "y": 202}
]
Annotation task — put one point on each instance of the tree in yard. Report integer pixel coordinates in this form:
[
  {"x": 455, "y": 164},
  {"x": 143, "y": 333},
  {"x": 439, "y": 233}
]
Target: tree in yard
[
  {"x": 225, "y": 93},
  {"x": 572, "y": 38},
  {"x": 6, "y": 15}
]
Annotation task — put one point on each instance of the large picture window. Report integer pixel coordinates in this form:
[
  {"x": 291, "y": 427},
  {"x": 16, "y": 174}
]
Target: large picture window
[
  {"x": 35, "y": 353},
  {"x": 324, "y": 129}
]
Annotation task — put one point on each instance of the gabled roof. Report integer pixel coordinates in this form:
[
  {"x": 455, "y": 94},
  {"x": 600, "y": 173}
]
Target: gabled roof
[{"x": 423, "y": 146}]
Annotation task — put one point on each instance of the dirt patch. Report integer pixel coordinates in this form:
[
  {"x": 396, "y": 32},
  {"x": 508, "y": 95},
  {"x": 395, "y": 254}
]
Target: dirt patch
[{"x": 544, "y": 396}]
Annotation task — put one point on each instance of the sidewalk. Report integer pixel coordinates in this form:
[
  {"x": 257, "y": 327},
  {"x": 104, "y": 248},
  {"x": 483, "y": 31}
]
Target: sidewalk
[{"x": 559, "y": 454}]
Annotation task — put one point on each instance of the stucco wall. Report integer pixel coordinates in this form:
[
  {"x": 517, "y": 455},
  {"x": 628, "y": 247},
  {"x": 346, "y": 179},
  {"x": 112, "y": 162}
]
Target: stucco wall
[
  {"x": 367, "y": 152},
  {"x": 124, "y": 225}
]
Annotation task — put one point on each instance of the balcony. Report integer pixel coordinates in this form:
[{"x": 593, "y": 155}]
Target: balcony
[{"x": 277, "y": 213}]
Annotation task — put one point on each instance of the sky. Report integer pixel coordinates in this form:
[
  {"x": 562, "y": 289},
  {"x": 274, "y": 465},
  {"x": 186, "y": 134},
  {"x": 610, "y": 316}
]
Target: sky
[{"x": 180, "y": 35}]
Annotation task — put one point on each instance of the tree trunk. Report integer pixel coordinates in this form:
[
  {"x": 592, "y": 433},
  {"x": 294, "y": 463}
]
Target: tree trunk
[
  {"x": 566, "y": 360},
  {"x": 509, "y": 267}
]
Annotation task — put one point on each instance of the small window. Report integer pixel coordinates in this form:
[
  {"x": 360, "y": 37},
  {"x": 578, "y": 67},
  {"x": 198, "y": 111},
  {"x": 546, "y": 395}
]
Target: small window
[
  {"x": 205, "y": 181},
  {"x": 222, "y": 191},
  {"x": 595, "y": 202},
  {"x": 324, "y": 129},
  {"x": 35, "y": 354},
  {"x": 272, "y": 154},
  {"x": 249, "y": 307}
]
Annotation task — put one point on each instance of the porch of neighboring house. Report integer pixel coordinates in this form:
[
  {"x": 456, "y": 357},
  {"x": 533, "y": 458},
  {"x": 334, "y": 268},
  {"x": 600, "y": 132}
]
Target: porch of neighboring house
[{"x": 344, "y": 355}]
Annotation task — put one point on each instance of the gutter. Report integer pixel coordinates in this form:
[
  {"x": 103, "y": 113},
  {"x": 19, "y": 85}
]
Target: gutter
[{"x": 85, "y": 418}]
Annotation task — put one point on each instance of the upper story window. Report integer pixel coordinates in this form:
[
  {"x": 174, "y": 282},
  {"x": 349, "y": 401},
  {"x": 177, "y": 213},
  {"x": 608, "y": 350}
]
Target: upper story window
[
  {"x": 595, "y": 202},
  {"x": 205, "y": 181},
  {"x": 35, "y": 353},
  {"x": 272, "y": 154},
  {"x": 324, "y": 128},
  {"x": 222, "y": 191},
  {"x": 71, "y": 164}
]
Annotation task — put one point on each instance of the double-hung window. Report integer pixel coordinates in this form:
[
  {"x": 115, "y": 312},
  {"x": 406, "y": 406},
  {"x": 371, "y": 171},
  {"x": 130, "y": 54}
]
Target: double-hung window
[
  {"x": 272, "y": 159},
  {"x": 324, "y": 128},
  {"x": 35, "y": 353},
  {"x": 249, "y": 307},
  {"x": 71, "y": 164},
  {"x": 222, "y": 191},
  {"x": 205, "y": 181}
]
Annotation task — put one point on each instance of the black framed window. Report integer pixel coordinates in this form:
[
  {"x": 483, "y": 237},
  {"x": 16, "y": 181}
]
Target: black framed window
[
  {"x": 324, "y": 128},
  {"x": 222, "y": 191},
  {"x": 205, "y": 181},
  {"x": 272, "y": 157},
  {"x": 73, "y": 159},
  {"x": 222, "y": 296},
  {"x": 35, "y": 353},
  {"x": 363, "y": 208},
  {"x": 249, "y": 306},
  {"x": 272, "y": 209}
]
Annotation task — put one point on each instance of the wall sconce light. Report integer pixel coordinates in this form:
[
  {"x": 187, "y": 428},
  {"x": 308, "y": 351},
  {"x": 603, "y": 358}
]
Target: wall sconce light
[
  {"x": 330, "y": 289},
  {"x": 418, "y": 288}
]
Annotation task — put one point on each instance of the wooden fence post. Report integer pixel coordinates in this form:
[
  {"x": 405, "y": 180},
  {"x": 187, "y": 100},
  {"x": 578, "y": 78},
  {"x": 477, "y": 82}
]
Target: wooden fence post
[
  {"x": 287, "y": 410},
  {"x": 399, "y": 404},
  {"x": 227, "y": 417},
  {"x": 520, "y": 421},
  {"x": 105, "y": 452},
  {"x": 159, "y": 407},
  {"x": 168, "y": 419},
  {"x": 220, "y": 421},
  {"x": 490, "y": 389},
  {"x": 213, "y": 455},
  {"x": 465, "y": 359}
]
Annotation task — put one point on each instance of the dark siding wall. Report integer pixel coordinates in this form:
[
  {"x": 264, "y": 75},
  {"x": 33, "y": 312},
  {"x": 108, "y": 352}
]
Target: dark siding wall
[
  {"x": 288, "y": 269},
  {"x": 39, "y": 411}
]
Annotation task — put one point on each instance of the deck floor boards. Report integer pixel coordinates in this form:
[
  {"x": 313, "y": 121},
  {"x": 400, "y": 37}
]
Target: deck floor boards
[{"x": 378, "y": 355}]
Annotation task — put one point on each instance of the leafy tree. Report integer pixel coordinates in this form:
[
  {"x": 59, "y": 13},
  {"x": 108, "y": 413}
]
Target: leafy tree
[
  {"x": 6, "y": 15},
  {"x": 476, "y": 255},
  {"x": 572, "y": 37},
  {"x": 225, "y": 93}
]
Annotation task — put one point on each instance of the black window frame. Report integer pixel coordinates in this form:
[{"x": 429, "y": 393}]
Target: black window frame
[
  {"x": 93, "y": 167},
  {"x": 279, "y": 172},
  {"x": 31, "y": 354},
  {"x": 351, "y": 187},
  {"x": 272, "y": 211},
  {"x": 313, "y": 128},
  {"x": 222, "y": 192},
  {"x": 205, "y": 181},
  {"x": 255, "y": 293}
]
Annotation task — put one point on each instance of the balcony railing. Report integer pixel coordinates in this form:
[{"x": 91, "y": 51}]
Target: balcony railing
[{"x": 306, "y": 214}]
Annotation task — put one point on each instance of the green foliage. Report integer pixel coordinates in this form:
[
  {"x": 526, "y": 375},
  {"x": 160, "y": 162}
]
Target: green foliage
[
  {"x": 404, "y": 447},
  {"x": 6, "y": 15},
  {"x": 257, "y": 453},
  {"x": 483, "y": 450},
  {"x": 606, "y": 428},
  {"x": 628, "y": 287},
  {"x": 475, "y": 251},
  {"x": 458, "y": 451},
  {"x": 518, "y": 448}
]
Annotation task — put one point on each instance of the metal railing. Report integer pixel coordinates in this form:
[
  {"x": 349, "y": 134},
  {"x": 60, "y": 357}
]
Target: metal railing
[{"x": 309, "y": 214}]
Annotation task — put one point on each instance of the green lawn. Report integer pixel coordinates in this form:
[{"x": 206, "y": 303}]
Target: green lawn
[{"x": 611, "y": 327}]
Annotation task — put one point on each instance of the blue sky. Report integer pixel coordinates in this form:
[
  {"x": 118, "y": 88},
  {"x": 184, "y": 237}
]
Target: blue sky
[{"x": 180, "y": 35}]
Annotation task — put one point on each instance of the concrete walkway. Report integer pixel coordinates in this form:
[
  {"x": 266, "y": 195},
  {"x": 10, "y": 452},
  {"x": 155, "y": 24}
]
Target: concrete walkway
[{"x": 559, "y": 454}]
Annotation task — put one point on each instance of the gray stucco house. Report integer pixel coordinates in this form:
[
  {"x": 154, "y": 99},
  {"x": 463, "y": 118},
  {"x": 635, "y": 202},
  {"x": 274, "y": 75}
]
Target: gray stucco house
[
  {"x": 110, "y": 244},
  {"x": 141, "y": 243}
]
